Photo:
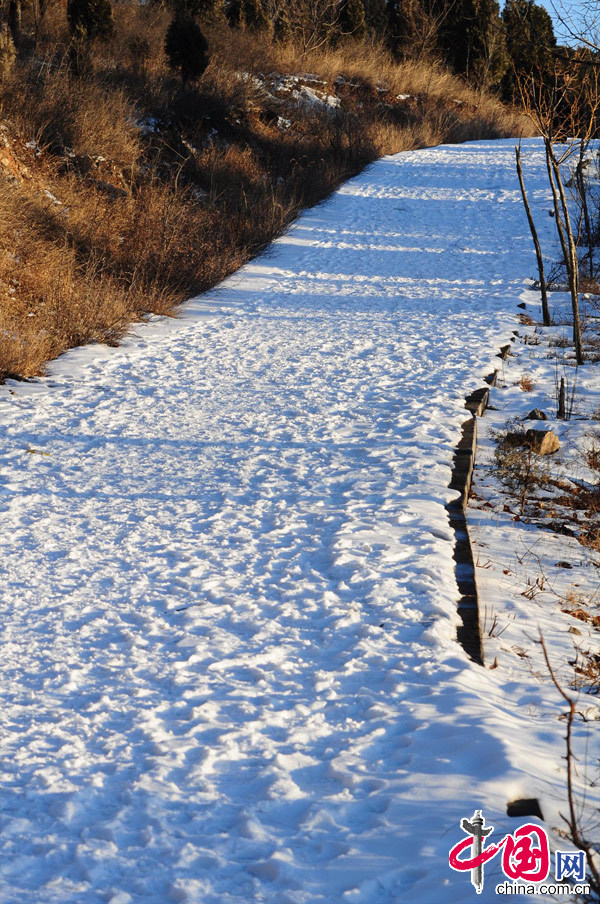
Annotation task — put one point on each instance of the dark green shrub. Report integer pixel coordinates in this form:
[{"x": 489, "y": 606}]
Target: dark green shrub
[
  {"x": 90, "y": 19},
  {"x": 254, "y": 15},
  {"x": 186, "y": 48}
]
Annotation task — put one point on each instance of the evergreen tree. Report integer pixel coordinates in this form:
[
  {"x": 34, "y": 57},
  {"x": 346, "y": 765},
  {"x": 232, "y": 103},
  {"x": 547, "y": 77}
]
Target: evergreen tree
[
  {"x": 139, "y": 50},
  {"x": 90, "y": 19},
  {"x": 530, "y": 42},
  {"x": 282, "y": 28},
  {"x": 493, "y": 61},
  {"x": 254, "y": 15},
  {"x": 395, "y": 26},
  {"x": 376, "y": 16},
  {"x": 14, "y": 20},
  {"x": 233, "y": 13},
  {"x": 186, "y": 47},
  {"x": 194, "y": 8},
  {"x": 455, "y": 33},
  {"x": 414, "y": 26},
  {"x": 471, "y": 37},
  {"x": 352, "y": 19}
]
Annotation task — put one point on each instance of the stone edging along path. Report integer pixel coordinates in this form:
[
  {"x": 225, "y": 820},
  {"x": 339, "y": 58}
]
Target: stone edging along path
[{"x": 468, "y": 633}]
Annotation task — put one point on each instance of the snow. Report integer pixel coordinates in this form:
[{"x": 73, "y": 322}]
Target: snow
[
  {"x": 52, "y": 198},
  {"x": 529, "y": 576},
  {"x": 295, "y": 86},
  {"x": 230, "y": 671},
  {"x": 313, "y": 98},
  {"x": 276, "y": 87},
  {"x": 33, "y": 146}
]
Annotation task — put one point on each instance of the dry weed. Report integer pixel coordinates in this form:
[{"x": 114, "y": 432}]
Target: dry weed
[
  {"x": 526, "y": 383},
  {"x": 517, "y": 465}
]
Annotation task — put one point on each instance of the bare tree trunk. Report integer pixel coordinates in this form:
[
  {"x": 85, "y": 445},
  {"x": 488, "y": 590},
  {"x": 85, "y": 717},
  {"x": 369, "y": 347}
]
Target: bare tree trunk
[
  {"x": 582, "y": 192},
  {"x": 571, "y": 260},
  {"x": 538, "y": 251},
  {"x": 574, "y": 820},
  {"x": 561, "y": 412},
  {"x": 557, "y": 216},
  {"x": 14, "y": 20}
]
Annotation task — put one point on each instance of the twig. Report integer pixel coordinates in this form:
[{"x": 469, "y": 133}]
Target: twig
[{"x": 573, "y": 821}]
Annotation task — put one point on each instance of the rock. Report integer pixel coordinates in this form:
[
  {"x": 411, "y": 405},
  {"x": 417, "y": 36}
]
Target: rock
[
  {"x": 525, "y": 806},
  {"x": 574, "y": 630},
  {"x": 542, "y": 442},
  {"x": 537, "y": 415}
]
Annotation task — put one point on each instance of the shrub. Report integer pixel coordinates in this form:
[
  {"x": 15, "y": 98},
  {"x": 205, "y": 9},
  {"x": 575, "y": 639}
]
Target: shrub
[
  {"x": 254, "y": 15},
  {"x": 517, "y": 465},
  {"x": 352, "y": 19},
  {"x": 193, "y": 8},
  {"x": 233, "y": 13},
  {"x": 90, "y": 19},
  {"x": 282, "y": 29},
  {"x": 186, "y": 48}
]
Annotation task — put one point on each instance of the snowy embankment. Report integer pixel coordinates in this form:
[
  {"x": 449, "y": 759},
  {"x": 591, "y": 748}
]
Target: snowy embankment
[{"x": 229, "y": 662}]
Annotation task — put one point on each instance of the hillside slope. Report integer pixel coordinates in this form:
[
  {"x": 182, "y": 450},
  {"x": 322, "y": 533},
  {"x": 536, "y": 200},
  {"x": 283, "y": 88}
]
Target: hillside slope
[{"x": 121, "y": 193}]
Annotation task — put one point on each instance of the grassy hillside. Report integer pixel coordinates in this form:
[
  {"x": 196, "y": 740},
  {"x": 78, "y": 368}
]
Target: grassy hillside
[{"x": 122, "y": 193}]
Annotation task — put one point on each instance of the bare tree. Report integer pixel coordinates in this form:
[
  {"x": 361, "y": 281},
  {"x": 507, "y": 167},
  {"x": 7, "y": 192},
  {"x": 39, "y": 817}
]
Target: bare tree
[
  {"x": 536, "y": 242},
  {"x": 573, "y": 819},
  {"x": 314, "y": 23},
  {"x": 579, "y": 180},
  {"x": 583, "y": 28},
  {"x": 559, "y": 110},
  {"x": 419, "y": 23}
]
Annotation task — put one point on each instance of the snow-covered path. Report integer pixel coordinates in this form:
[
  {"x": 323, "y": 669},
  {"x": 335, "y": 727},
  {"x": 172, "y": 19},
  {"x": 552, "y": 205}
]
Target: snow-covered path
[{"x": 229, "y": 608}]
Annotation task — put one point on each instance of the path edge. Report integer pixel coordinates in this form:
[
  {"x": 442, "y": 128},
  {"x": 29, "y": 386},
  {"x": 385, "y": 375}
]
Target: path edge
[{"x": 468, "y": 633}]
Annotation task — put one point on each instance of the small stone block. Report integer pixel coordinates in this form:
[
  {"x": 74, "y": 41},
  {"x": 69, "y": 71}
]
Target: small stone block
[
  {"x": 525, "y": 806},
  {"x": 542, "y": 442}
]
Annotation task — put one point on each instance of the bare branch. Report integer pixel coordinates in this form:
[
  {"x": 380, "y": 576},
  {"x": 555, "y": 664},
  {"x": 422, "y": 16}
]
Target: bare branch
[{"x": 573, "y": 821}]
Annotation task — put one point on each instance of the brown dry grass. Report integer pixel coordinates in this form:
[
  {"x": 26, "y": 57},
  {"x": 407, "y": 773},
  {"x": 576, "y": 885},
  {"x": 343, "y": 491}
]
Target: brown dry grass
[
  {"x": 138, "y": 194},
  {"x": 587, "y": 662},
  {"x": 526, "y": 383}
]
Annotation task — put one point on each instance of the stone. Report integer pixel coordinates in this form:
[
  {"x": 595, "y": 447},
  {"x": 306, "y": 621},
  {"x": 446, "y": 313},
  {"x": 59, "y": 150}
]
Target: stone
[
  {"x": 537, "y": 415},
  {"x": 525, "y": 806},
  {"x": 542, "y": 442}
]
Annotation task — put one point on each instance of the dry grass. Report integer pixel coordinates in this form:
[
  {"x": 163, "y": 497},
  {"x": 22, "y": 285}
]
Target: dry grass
[
  {"x": 592, "y": 455},
  {"x": 526, "y": 383},
  {"x": 587, "y": 662},
  {"x": 520, "y": 470},
  {"x": 134, "y": 194},
  {"x": 51, "y": 299}
]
